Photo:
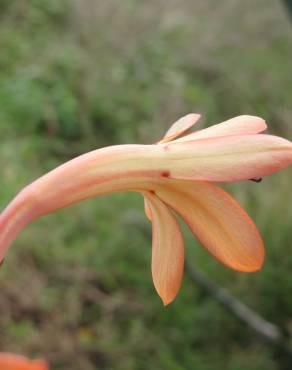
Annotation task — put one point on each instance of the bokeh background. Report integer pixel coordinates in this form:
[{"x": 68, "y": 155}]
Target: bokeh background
[{"x": 76, "y": 75}]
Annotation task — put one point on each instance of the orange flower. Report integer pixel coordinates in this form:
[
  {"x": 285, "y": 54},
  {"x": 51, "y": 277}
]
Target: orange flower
[
  {"x": 9, "y": 361},
  {"x": 172, "y": 175}
]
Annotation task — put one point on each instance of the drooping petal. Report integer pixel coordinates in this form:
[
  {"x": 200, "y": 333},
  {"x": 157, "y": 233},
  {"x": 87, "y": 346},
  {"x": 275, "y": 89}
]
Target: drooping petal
[
  {"x": 228, "y": 158},
  {"x": 167, "y": 250},
  {"x": 240, "y": 125},
  {"x": 180, "y": 126},
  {"x": 218, "y": 221}
]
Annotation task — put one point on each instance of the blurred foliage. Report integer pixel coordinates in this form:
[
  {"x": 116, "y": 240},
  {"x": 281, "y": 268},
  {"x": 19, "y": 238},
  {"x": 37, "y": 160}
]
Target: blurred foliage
[{"x": 79, "y": 74}]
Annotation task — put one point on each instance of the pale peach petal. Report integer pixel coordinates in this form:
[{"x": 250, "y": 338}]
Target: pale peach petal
[
  {"x": 167, "y": 250},
  {"x": 228, "y": 158},
  {"x": 217, "y": 220},
  {"x": 235, "y": 126},
  {"x": 180, "y": 126}
]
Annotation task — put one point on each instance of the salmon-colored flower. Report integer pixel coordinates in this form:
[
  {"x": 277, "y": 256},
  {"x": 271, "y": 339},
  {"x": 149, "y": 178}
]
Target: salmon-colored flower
[
  {"x": 172, "y": 175},
  {"x": 10, "y": 361}
]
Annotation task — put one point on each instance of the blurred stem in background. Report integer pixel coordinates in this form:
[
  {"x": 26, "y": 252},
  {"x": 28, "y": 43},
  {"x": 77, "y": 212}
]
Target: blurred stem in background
[
  {"x": 268, "y": 332},
  {"x": 288, "y": 4}
]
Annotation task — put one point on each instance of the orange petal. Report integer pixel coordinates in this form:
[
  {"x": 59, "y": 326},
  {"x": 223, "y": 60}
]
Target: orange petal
[
  {"x": 10, "y": 361},
  {"x": 218, "y": 221},
  {"x": 180, "y": 126},
  {"x": 167, "y": 250},
  {"x": 228, "y": 158},
  {"x": 147, "y": 209},
  {"x": 235, "y": 126}
]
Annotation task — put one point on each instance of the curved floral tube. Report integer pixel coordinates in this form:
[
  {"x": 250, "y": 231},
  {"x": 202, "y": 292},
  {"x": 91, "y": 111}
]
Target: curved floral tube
[
  {"x": 172, "y": 175},
  {"x": 10, "y": 361}
]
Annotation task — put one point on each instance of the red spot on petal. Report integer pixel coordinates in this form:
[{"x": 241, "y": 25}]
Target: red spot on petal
[{"x": 165, "y": 173}]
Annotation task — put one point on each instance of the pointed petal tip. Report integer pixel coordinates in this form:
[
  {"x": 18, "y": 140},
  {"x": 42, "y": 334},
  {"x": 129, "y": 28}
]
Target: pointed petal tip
[
  {"x": 179, "y": 127},
  {"x": 166, "y": 299},
  {"x": 166, "y": 303},
  {"x": 167, "y": 296}
]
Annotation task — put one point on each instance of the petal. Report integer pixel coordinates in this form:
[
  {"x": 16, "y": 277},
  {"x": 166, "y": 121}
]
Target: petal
[
  {"x": 218, "y": 221},
  {"x": 228, "y": 158},
  {"x": 235, "y": 126},
  {"x": 167, "y": 250},
  {"x": 180, "y": 126},
  {"x": 147, "y": 209},
  {"x": 10, "y": 361}
]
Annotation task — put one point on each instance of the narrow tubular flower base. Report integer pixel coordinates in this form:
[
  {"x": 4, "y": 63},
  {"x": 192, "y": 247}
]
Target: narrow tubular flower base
[{"x": 172, "y": 175}]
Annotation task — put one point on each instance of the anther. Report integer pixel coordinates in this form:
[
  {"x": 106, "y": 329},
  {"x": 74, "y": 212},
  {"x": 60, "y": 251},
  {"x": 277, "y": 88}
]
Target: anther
[{"x": 256, "y": 179}]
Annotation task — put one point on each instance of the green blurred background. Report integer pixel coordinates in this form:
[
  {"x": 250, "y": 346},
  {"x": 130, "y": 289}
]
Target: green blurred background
[{"x": 77, "y": 75}]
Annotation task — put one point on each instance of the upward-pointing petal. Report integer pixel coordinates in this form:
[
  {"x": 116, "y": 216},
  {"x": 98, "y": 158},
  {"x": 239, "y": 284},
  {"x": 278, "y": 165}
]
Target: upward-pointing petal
[
  {"x": 228, "y": 158},
  {"x": 235, "y": 126},
  {"x": 167, "y": 249},
  {"x": 180, "y": 126}
]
